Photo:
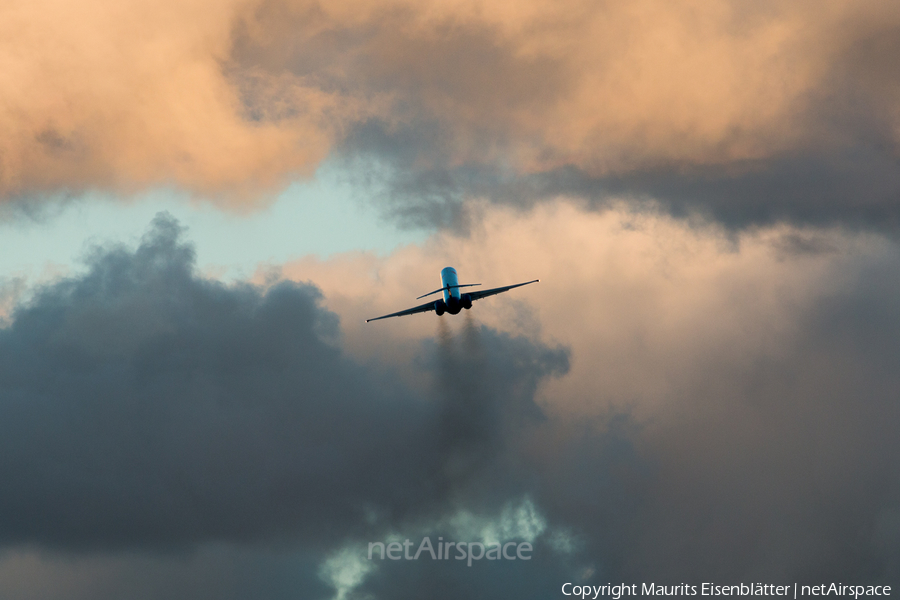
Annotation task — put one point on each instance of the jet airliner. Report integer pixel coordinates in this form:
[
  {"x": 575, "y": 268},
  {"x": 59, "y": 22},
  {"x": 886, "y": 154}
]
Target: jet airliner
[{"x": 453, "y": 301}]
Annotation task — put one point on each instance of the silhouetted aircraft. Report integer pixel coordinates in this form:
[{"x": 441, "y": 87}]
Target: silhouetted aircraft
[{"x": 453, "y": 301}]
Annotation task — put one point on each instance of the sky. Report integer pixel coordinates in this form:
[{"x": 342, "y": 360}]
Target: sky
[{"x": 201, "y": 203}]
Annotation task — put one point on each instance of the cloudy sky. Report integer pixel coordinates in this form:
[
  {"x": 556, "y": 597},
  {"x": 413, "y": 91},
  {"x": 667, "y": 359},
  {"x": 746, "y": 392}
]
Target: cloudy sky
[{"x": 201, "y": 202}]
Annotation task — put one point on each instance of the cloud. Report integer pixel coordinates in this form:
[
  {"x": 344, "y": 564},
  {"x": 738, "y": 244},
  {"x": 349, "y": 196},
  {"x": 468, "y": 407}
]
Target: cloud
[
  {"x": 144, "y": 407},
  {"x": 549, "y": 85},
  {"x": 729, "y": 407},
  {"x": 136, "y": 96},
  {"x": 748, "y": 114},
  {"x": 214, "y": 572},
  {"x": 672, "y": 402}
]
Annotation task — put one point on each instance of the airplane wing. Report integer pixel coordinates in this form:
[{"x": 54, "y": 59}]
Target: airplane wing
[
  {"x": 409, "y": 311},
  {"x": 429, "y": 306},
  {"x": 479, "y": 294}
]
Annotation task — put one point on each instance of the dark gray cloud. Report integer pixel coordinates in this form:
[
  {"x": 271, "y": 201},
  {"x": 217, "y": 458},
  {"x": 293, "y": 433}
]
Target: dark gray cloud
[
  {"x": 856, "y": 186},
  {"x": 144, "y": 406}
]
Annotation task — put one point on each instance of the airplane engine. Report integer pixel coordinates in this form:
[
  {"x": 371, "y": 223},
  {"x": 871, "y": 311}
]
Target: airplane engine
[
  {"x": 466, "y": 301},
  {"x": 440, "y": 307}
]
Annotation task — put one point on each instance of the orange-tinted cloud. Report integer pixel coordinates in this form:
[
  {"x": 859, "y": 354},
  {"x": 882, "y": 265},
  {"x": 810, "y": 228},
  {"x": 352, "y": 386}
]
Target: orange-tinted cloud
[
  {"x": 134, "y": 95},
  {"x": 758, "y": 372},
  {"x": 604, "y": 87},
  {"x": 228, "y": 100},
  {"x": 641, "y": 298}
]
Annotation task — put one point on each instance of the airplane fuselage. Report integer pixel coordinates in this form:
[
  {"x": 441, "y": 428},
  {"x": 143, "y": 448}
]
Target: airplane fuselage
[
  {"x": 450, "y": 283},
  {"x": 453, "y": 301}
]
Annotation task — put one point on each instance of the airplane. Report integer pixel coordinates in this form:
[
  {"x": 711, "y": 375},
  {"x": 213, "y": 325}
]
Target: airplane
[{"x": 453, "y": 301}]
